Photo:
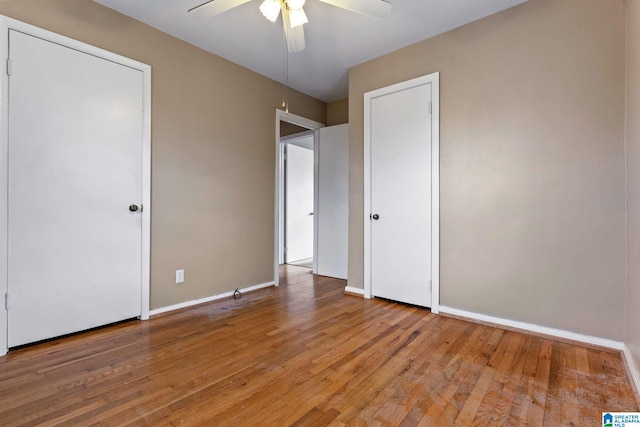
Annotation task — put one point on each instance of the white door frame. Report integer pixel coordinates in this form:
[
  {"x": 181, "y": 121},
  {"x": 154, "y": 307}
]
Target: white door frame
[
  {"x": 7, "y": 24},
  {"x": 314, "y": 126},
  {"x": 434, "y": 79}
]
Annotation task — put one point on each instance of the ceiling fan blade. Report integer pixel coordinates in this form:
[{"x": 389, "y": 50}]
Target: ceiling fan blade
[
  {"x": 373, "y": 8},
  {"x": 215, "y": 7},
  {"x": 294, "y": 36}
]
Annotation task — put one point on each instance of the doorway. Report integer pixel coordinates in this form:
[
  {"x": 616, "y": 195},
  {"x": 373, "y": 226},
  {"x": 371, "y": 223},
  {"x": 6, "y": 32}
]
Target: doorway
[
  {"x": 298, "y": 198},
  {"x": 296, "y": 192}
]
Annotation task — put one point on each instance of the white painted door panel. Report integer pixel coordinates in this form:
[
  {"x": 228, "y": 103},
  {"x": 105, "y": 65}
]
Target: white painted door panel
[
  {"x": 299, "y": 203},
  {"x": 333, "y": 201},
  {"x": 401, "y": 195},
  {"x": 75, "y": 134}
]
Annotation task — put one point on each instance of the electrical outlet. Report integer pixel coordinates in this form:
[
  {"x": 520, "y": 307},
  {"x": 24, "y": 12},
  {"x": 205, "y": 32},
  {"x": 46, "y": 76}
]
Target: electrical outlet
[{"x": 180, "y": 276}]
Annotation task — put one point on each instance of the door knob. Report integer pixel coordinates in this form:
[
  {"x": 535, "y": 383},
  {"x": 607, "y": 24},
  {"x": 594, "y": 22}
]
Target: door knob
[
  {"x": 375, "y": 217},
  {"x": 133, "y": 208}
]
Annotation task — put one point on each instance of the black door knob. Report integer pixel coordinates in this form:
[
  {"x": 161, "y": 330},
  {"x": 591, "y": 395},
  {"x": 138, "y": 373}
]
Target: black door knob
[
  {"x": 133, "y": 208},
  {"x": 375, "y": 216}
]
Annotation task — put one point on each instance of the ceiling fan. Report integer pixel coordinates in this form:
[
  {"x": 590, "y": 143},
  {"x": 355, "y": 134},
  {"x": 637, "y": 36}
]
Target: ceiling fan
[{"x": 293, "y": 15}]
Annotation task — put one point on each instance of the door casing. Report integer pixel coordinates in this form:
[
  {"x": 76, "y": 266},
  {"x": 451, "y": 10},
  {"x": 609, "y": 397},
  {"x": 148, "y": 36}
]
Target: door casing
[
  {"x": 434, "y": 80},
  {"x": 5, "y": 25}
]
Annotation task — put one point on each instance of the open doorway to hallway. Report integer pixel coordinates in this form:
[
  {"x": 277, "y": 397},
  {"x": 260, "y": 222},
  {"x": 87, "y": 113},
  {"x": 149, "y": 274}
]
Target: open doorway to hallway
[
  {"x": 297, "y": 196},
  {"x": 296, "y": 137},
  {"x": 311, "y": 203}
]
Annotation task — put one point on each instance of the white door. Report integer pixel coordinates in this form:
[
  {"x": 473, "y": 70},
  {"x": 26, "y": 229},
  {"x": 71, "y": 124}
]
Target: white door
[
  {"x": 299, "y": 200},
  {"x": 333, "y": 201},
  {"x": 400, "y": 142},
  {"x": 75, "y": 143}
]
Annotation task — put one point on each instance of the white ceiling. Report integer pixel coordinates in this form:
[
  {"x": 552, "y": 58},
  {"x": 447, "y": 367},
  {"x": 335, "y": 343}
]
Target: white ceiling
[{"x": 336, "y": 39}]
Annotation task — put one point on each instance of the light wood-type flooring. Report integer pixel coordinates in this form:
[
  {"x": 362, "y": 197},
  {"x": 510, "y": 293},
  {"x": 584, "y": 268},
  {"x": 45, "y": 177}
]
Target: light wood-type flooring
[{"x": 307, "y": 354}]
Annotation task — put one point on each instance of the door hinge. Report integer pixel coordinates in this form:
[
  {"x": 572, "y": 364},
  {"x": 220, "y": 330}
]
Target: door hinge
[
  {"x": 6, "y": 301},
  {"x": 141, "y": 208},
  {"x": 430, "y": 107},
  {"x": 8, "y": 66},
  {"x": 284, "y": 250}
]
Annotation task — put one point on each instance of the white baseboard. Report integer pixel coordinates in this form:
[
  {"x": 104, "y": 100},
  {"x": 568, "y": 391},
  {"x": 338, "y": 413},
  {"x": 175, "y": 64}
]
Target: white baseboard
[
  {"x": 208, "y": 299},
  {"x": 634, "y": 371},
  {"x": 353, "y": 290},
  {"x": 544, "y": 330}
]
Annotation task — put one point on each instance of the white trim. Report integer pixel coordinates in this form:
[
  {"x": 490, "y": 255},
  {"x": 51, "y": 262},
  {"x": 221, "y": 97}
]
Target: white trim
[
  {"x": 5, "y": 25},
  {"x": 366, "y": 208},
  {"x": 353, "y": 290},
  {"x": 282, "y": 149},
  {"x": 544, "y": 330},
  {"x": 313, "y": 126},
  {"x": 208, "y": 299},
  {"x": 146, "y": 194},
  {"x": 634, "y": 371},
  {"x": 4, "y": 181},
  {"x": 316, "y": 198},
  {"x": 434, "y": 80},
  {"x": 435, "y": 193}
]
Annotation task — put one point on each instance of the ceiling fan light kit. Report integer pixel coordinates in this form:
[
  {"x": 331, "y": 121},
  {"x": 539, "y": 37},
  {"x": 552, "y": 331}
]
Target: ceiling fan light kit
[
  {"x": 293, "y": 15},
  {"x": 271, "y": 10},
  {"x": 295, "y": 4}
]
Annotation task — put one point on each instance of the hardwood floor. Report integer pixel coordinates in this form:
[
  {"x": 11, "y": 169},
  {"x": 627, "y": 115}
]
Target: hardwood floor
[{"x": 307, "y": 354}]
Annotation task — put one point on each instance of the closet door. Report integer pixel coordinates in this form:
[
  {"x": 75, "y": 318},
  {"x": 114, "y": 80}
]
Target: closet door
[
  {"x": 400, "y": 220},
  {"x": 74, "y": 190}
]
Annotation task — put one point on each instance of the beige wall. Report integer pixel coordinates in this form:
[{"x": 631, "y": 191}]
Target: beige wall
[
  {"x": 338, "y": 112},
  {"x": 532, "y": 162},
  {"x": 287, "y": 129},
  {"x": 213, "y": 150},
  {"x": 633, "y": 179}
]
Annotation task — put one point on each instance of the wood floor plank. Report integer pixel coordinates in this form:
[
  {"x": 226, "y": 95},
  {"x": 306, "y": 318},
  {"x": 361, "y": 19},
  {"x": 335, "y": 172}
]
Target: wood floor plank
[
  {"x": 470, "y": 409},
  {"x": 307, "y": 354},
  {"x": 405, "y": 392},
  {"x": 569, "y": 407},
  {"x": 524, "y": 392},
  {"x": 535, "y": 413}
]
